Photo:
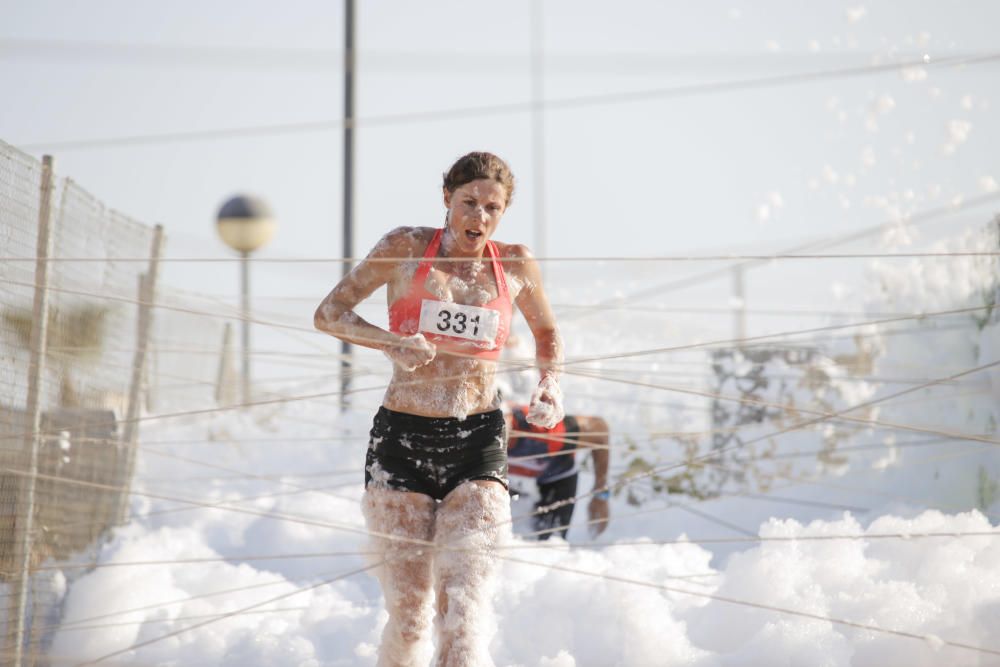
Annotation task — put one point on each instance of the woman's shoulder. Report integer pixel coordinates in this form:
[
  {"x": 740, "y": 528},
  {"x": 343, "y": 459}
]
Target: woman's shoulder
[
  {"x": 513, "y": 250},
  {"x": 517, "y": 255},
  {"x": 404, "y": 242}
]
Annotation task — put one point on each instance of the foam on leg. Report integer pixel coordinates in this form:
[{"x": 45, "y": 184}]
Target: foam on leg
[
  {"x": 405, "y": 575},
  {"x": 471, "y": 522}
]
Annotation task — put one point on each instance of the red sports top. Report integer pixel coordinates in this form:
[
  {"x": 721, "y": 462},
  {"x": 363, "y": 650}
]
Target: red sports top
[{"x": 404, "y": 312}]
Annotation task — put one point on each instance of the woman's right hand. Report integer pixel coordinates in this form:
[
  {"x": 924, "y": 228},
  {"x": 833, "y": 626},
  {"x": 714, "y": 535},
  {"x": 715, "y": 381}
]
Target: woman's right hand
[{"x": 411, "y": 352}]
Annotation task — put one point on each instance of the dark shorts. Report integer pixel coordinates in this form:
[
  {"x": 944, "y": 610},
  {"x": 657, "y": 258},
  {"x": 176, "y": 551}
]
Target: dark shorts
[
  {"x": 554, "y": 521},
  {"x": 433, "y": 455}
]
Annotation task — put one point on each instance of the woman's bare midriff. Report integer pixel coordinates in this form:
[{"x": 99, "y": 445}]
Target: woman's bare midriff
[{"x": 446, "y": 387}]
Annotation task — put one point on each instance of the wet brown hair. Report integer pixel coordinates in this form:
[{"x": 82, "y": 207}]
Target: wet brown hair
[{"x": 476, "y": 165}]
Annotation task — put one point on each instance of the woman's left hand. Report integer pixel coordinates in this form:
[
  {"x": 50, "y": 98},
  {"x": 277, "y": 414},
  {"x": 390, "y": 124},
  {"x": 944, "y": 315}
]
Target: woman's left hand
[{"x": 546, "y": 408}]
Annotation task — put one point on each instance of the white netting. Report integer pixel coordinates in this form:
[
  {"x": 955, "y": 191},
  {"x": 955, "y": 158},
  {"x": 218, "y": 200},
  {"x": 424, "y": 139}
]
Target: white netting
[{"x": 85, "y": 382}]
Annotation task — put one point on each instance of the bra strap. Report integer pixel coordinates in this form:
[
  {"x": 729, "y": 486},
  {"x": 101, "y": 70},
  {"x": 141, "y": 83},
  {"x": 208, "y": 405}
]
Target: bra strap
[
  {"x": 498, "y": 270},
  {"x": 420, "y": 277}
]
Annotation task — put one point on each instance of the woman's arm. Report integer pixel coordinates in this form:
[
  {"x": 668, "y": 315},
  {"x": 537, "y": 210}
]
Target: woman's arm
[
  {"x": 546, "y": 402},
  {"x": 335, "y": 314}
]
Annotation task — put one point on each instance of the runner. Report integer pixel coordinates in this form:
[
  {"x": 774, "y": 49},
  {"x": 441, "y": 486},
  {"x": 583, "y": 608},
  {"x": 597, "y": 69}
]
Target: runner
[
  {"x": 547, "y": 456},
  {"x": 436, "y": 466}
]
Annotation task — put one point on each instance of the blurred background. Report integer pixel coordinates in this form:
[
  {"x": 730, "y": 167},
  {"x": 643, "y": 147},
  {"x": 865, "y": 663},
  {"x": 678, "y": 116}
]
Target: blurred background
[{"x": 754, "y": 219}]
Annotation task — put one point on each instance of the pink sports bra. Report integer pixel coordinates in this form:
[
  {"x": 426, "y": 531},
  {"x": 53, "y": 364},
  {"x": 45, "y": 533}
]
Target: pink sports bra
[{"x": 451, "y": 326}]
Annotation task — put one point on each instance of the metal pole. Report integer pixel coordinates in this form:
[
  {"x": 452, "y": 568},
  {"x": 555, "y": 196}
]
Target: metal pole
[
  {"x": 739, "y": 307},
  {"x": 348, "y": 245},
  {"x": 130, "y": 432},
  {"x": 23, "y": 521},
  {"x": 538, "y": 127},
  {"x": 245, "y": 314}
]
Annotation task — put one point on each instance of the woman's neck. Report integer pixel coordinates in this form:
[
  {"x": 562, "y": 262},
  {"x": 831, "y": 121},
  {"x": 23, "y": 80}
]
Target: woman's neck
[{"x": 450, "y": 249}]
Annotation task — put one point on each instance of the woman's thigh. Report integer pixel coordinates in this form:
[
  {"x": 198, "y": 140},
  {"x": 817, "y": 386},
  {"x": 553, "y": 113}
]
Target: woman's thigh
[{"x": 400, "y": 517}]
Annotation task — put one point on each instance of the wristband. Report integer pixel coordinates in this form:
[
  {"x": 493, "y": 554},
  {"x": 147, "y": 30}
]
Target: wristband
[{"x": 603, "y": 495}]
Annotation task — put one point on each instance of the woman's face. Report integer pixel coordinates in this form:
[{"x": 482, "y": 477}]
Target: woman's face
[{"x": 474, "y": 211}]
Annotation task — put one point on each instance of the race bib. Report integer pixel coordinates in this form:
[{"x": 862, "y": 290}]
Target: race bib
[{"x": 454, "y": 319}]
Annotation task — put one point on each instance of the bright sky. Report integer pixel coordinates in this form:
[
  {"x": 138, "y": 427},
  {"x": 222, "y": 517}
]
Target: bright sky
[{"x": 657, "y": 175}]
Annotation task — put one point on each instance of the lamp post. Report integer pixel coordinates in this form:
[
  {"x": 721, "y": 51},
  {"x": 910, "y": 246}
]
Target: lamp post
[{"x": 245, "y": 223}]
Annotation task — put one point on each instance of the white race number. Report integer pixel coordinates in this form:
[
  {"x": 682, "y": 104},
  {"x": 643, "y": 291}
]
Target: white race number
[{"x": 454, "y": 319}]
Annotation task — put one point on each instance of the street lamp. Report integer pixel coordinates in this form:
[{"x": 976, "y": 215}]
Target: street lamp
[{"x": 245, "y": 223}]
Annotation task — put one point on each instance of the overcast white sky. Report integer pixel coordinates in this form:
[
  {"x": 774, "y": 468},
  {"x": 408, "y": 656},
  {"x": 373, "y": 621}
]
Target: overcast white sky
[{"x": 654, "y": 176}]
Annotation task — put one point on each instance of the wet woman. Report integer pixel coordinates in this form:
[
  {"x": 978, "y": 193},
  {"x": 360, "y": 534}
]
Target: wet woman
[{"x": 436, "y": 468}]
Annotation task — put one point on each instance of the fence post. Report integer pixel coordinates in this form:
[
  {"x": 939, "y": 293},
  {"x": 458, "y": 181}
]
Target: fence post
[
  {"x": 24, "y": 519},
  {"x": 129, "y": 437},
  {"x": 739, "y": 303},
  {"x": 149, "y": 386},
  {"x": 224, "y": 376}
]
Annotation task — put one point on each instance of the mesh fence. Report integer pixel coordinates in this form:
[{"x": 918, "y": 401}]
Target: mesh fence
[
  {"x": 85, "y": 378},
  {"x": 186, "y": 350},
  {"x": 20, "y": 182}
]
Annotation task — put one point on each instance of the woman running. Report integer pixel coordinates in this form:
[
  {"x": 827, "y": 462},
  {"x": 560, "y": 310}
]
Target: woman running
[{"x": 436, "y": 468}]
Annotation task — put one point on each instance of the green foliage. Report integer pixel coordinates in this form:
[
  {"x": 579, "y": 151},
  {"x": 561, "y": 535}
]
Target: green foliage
[
  {"x": 986, "y": 491},
  {"x": 76, "y": 333},
  {"x": 687, "y": 482},
  {"x": 75, "y": 337}
]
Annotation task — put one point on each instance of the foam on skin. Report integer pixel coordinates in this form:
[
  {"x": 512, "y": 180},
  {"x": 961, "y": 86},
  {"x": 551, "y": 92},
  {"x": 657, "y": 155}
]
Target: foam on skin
[
  {"x": 471, "y": 523},
  {"x": 404, "y": 572}
]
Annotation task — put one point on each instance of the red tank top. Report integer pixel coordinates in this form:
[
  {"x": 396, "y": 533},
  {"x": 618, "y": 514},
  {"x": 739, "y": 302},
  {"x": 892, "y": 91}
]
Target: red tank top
[{"x": 479, "y": 331}]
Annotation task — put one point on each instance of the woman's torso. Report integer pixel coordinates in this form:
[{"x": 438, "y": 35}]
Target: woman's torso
[{"x": 459, "y": 380}]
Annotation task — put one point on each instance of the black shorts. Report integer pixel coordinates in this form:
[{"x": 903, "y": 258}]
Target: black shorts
[
  {"x": 433, "y": 455},
  {"x": 554, "y": 521}
]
